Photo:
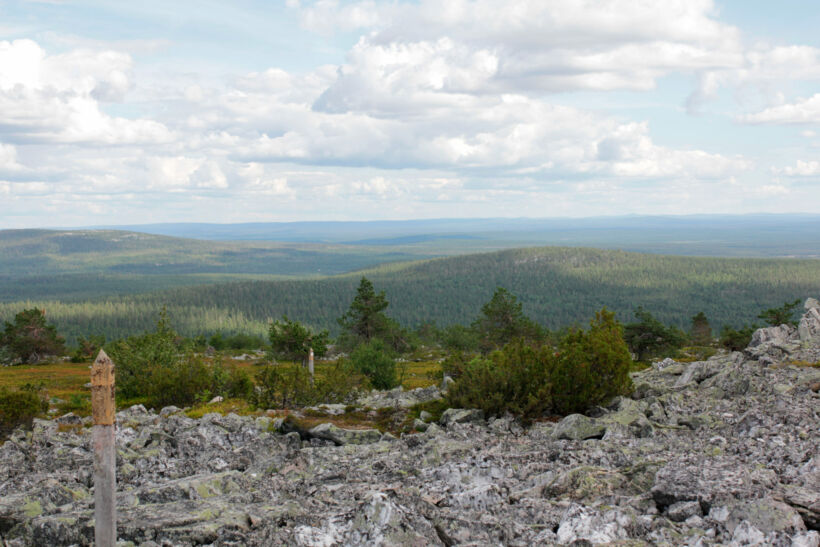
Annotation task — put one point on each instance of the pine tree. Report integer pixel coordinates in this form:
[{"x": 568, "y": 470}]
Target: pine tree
[
  {"x": 365, "y": 320},
  {"x": 701, "y": 331},
  {"x": 30, "y": 339}
]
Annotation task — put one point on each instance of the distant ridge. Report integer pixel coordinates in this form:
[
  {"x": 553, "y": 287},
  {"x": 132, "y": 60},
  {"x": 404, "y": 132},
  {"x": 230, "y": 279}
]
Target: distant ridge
[{"x": 758, "y": 235}]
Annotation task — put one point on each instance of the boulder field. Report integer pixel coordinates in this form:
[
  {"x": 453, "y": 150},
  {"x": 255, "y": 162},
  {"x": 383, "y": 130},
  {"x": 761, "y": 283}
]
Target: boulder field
[{"x": 718, "y": 452}]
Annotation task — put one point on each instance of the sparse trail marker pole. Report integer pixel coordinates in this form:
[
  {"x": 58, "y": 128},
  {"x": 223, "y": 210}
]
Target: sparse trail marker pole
[
  {"x": 105, "y": 455},
  {"x": 310, "y": 364}
]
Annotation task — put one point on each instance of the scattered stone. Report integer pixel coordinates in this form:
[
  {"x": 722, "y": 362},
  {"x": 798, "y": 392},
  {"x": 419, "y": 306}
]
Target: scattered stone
[{"x": 717, "y": 452}]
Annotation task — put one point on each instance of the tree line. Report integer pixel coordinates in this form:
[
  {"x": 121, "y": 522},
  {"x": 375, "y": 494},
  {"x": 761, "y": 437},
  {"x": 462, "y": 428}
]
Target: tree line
[{"x": 557, "y": 287}]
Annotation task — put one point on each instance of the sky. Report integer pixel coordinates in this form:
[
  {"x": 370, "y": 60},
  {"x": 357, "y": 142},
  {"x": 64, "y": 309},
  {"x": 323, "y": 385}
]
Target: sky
[{"x": 266, "y": 111}]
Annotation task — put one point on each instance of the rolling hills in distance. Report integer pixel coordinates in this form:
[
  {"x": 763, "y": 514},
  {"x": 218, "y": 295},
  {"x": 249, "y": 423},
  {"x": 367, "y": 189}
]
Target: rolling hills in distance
[
  {"x": 115, "y": 282},
  {"x": 761, "y": 235}
]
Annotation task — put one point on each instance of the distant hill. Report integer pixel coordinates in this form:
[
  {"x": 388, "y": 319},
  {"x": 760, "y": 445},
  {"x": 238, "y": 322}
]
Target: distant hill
[
  {"x": 558, "y": 287},
  {"x": 762, "y": 235},
  {"x": 82, "y": 264}
]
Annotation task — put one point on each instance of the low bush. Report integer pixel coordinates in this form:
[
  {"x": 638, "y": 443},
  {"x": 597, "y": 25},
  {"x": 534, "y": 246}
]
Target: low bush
[
  {"x": 290, "y": 386},
  {"x": 736, "y": 339},
  {"x": 78, "y": 403},
  {"x": 20, "y": 407},
  {"x": 154, "y": 369},
  {"x": 515, "y": 379},
  {"x": 454, "y": 364},
  {"x": 238, "y": 341},
  {"x": 87, "y": 348},
  {"x": 374, "y": 361},
  {"x": 589, "y": 368}
]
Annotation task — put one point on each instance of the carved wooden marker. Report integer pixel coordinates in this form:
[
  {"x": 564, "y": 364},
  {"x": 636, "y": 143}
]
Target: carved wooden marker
[{"x": 105, "y": 455}]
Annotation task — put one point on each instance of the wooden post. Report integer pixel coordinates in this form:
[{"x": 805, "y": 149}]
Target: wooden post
[
  {"x": 310, "y": 364},
  {"x": 105, "y": 455}
]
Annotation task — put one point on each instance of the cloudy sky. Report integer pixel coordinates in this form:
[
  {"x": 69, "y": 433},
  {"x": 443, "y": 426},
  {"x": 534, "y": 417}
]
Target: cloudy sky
[{"x": 213, "y": 111}]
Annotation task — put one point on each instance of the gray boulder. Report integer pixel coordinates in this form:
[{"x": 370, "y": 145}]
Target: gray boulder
[
  {"x": 809, "y": 327},
  {"x": 578, "y": 427},
  {"x": 461, "y": 416},
  {"x": 339, "y": 436}
]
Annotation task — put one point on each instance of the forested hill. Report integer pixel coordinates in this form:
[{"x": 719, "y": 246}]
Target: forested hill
[
  {"x": 61, "y": 252},
  {"x": 558, "y": 286}
]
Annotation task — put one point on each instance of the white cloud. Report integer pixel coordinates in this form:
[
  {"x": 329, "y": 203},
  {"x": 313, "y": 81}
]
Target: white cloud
[
  {"x": 465, "y": 105},
  {"x": 803, "y": 169},
  {"x": 771, "y": 190},
  {"x": 57, "y": 98},
  {"x": 8, "y": 158},
  {"x": 803, "y": 111},
  {"x": 548, "y": 45}
]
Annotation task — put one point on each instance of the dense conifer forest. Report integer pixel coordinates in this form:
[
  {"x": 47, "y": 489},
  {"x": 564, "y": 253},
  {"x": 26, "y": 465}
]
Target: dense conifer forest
[{"x": 557, "y": 286}]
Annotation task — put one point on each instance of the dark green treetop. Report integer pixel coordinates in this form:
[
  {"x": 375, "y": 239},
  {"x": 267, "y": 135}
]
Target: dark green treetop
[
  {"x": 784, "y": 315},
  {"x": 502, "y": 320},
  {"x": 30, "y": 338},
  {"x": 293, "y": 340},
  {"x": 649, "y": 337},
  {"x": 701, "y": 332},
  {"x": 365, "y": 320}
]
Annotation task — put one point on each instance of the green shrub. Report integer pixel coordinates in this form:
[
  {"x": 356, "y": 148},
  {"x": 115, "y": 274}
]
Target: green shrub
[
  {"x": 460, "y": 338},
  {"x": 736, "y": 339},
  {"x": 155, "y": 369},
  {"x": 589, "y": 368},
  {"x": 77, "y": 403},
  {"x": 339, "y": 383},
  {"x": 650, "y": 338},
  {"x": 454, "y": 364},
  {"x": 515, "y": 379},
  {"x": 375, "y": 362},
  {"x": 20, "y": 407},
  {"x": 238, "y": 341},
  {"x": 290, "y": 386},
  {"x": 87, "y": 348},
  {"x": 230, "y": 381},
  {"x": 185, "y": 382}
]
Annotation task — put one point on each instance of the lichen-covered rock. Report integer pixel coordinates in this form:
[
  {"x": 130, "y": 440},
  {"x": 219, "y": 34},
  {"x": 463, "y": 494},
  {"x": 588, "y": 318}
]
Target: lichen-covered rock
[
  {"x": 341, "y": 436},
  {"x": 578, "y": 427},
  {"x": 718, "y": 452},
  {"x": 809, "y": 327},
  {"x": 461, "y": 416}
]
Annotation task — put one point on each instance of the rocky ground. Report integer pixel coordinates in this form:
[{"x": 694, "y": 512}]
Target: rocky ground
[{"x": 717, "y": 452}]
